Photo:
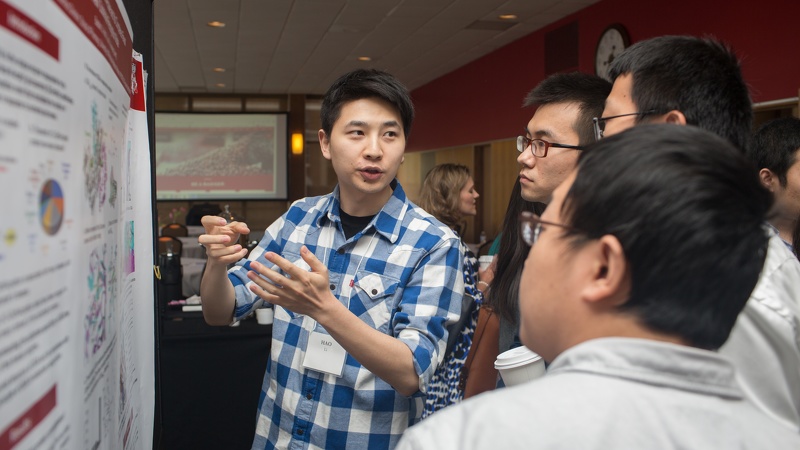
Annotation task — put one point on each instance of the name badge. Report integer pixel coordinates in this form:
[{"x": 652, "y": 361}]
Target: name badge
[{"x": 324, "y": 354}]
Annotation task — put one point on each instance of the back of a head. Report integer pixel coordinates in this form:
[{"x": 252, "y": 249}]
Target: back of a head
[
  {"x": 775, "y": 145},
  {"x": 440, "y": 193},
  {"x": 588, "y": 91},
  {"x": 699, "y": 77},
  {"x": 688, "y": 211},
  {"x": 366, "y": 83}
]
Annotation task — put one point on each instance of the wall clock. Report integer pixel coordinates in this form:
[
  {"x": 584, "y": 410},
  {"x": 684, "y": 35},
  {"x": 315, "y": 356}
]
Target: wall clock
[{"x": 611, "y": 43}]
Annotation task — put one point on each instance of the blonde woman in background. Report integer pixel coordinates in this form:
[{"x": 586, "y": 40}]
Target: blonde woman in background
[{"x": 449, "y": 194}]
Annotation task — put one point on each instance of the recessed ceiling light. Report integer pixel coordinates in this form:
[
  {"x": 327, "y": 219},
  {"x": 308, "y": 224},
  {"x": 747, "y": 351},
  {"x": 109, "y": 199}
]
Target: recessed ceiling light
[
  {"x": 220, "y": 85},
  {"x": 219, "y": 69},
  {"x": 507, "y": 16},
  {"x": 216, "y": 24},
  {"x": 364, "y": 58}
]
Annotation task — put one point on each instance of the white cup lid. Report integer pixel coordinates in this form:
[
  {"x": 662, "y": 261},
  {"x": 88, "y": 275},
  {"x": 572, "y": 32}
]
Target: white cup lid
[{"x": 516, "y": 357}]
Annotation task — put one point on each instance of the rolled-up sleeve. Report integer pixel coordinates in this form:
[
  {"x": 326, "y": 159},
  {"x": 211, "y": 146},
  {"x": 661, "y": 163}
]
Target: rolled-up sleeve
[
  {"x": 246, "y": 300},
  {"x": 431, "y": 301}
]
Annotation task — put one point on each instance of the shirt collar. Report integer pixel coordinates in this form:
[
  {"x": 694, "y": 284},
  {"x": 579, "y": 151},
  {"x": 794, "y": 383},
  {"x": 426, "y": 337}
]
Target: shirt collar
[
  {"x": 387, "y": 222},
  {"x": 652, "y": 362}
]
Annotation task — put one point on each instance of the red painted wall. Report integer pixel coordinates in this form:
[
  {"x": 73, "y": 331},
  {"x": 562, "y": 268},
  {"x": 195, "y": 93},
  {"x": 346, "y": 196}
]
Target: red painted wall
[{"x": 482, "y": 101}]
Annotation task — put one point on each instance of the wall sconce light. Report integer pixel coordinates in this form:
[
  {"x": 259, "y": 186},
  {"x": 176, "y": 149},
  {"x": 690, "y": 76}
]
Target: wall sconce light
[{"x": 297, "y": 143}]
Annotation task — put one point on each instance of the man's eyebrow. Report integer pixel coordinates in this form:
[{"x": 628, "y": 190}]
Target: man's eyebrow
[
  {"x": 361, "y": 123},
  {"x": 543, "y": 133}
]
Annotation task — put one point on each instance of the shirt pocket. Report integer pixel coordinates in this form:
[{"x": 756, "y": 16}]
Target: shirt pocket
[{"x": 374, "y": 298}]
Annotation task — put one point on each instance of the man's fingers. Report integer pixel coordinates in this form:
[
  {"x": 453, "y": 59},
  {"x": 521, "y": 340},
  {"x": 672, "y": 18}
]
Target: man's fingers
[
  {"x": 210, "y": 239},
  {"x": 312, "y": 260},
  {"x": 270, "y": 274},
  {"x": 226, "y": 255},
  {"x": 288, "y": 268},
  {"x": 239, "y": 227},
  {"x": 210, "y": 222}
]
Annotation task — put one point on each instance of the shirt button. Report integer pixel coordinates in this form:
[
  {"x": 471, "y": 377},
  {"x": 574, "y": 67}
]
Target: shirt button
[
  {"x": 340, "y": 251},
  {"x": 299, "y": 431},
  {"x": 309, "y": 396},
  {"x": 374, "y": 291},
  {"x": 333, "y": 286}
]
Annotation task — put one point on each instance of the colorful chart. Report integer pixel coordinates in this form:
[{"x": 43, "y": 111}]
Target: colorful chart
[{"x": 51, "y": 207}]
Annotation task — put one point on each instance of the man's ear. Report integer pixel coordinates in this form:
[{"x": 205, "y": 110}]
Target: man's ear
[
  {"x": 610, "y": 283},
  {"x": 674, "y": 117},
  {"x": 324, "y": 144},
  {"x": 768, "y": 179}
]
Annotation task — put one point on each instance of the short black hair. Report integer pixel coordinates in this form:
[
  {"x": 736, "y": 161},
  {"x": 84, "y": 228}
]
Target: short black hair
[
  {"x": 775, "y": 146},
  {"x": 689, "y": 212},
  {"x": 699, "y": 77},
  {"x": 588, "y": 91},
  {"x": 366, "y": 83}
]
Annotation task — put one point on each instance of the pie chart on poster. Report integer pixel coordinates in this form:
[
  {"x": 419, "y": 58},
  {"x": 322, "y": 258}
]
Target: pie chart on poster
[{"x": 51, "y": 207}]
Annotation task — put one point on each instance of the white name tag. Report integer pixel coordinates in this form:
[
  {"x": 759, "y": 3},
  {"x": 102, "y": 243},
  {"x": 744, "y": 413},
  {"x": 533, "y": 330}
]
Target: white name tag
[{"x": 324, "y": 354}]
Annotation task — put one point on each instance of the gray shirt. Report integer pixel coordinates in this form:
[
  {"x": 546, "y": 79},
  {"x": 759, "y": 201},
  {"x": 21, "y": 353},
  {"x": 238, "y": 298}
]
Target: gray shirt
[
  {"x": 765, "y": 343},
  {"x": 612, "y": 393}
]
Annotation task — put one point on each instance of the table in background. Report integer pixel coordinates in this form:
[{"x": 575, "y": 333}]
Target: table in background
[
  {"x": 192, "y": 248},
  {"x": 210, "y": 381},
  {"x": 192, "y": 272}
]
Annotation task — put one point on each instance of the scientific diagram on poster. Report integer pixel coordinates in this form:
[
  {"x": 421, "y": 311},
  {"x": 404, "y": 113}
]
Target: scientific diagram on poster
[{"x": 51, "y": 207}]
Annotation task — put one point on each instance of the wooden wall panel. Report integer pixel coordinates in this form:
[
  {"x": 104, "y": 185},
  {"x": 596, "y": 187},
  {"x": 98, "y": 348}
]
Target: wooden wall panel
[
  {"x": 500, "y": 172},
  {"x": 410, "y": 175}
]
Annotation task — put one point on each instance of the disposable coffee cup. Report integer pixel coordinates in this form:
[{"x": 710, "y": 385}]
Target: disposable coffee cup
[
  {"x": 485, "y": 260},
  {"x": 264, "y": 316},
  {"x": 519, "y": 365}
]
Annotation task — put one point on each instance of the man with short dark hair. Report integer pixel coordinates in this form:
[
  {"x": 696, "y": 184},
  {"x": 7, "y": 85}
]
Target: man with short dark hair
[
  {"x": 776, "y": 154},
  {"x": 560, "y": 126},
  {"x": 683, "y": 80},
  {"x": 363, "y": 282},
  {"x": 624, "y": 292},
  {"x": 691, "y": 81}
]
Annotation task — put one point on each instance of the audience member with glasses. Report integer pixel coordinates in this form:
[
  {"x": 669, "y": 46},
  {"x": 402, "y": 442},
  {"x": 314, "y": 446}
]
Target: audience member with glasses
[
  {"x": 624, "y": 290},
  {"x": 558, "y": 129},
  {"x": 687, "y": 80}
]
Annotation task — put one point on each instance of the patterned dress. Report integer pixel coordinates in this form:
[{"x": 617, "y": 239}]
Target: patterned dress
[{"x": 443, "y": 388}]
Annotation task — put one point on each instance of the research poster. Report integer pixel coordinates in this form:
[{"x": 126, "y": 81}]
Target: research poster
[{"x": 76, "y": 289}]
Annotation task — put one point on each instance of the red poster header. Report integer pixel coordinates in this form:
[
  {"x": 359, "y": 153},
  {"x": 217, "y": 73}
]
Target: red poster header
[
  {"x": 27, "y": 28},
  {"x": 28, "y": 420},
  {"x": 103, "y": 23}
]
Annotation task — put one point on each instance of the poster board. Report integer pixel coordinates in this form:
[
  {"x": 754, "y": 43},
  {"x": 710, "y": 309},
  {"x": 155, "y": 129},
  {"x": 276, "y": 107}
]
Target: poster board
[{"x": 76, "y": 285}]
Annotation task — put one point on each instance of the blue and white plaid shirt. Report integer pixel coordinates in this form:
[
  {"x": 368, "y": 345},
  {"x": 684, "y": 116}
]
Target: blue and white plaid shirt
[{"x": 401, "y": 275}]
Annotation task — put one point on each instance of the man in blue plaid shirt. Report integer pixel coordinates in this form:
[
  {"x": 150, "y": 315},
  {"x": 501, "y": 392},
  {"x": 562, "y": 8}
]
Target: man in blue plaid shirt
[{"x": 363, "y": 282}]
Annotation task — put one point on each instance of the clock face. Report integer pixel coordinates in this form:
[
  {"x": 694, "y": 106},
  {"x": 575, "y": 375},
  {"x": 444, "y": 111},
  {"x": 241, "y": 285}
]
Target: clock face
[{"x": 612, "y": 42}]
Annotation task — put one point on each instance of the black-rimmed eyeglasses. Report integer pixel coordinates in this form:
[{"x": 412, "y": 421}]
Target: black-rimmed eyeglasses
[
  {"x": 530, "y": 226},
  {"x": 600, "y": 122},
  {"x": 539, "y": 147}
]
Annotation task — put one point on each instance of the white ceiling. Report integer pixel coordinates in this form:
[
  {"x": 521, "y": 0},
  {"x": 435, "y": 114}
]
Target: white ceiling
[{"x": 301, "y": 46}]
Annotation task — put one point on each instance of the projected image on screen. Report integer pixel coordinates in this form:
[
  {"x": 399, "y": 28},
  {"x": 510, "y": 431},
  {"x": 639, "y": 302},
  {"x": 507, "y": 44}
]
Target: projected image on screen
[{"x": 220, "y": 156}]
